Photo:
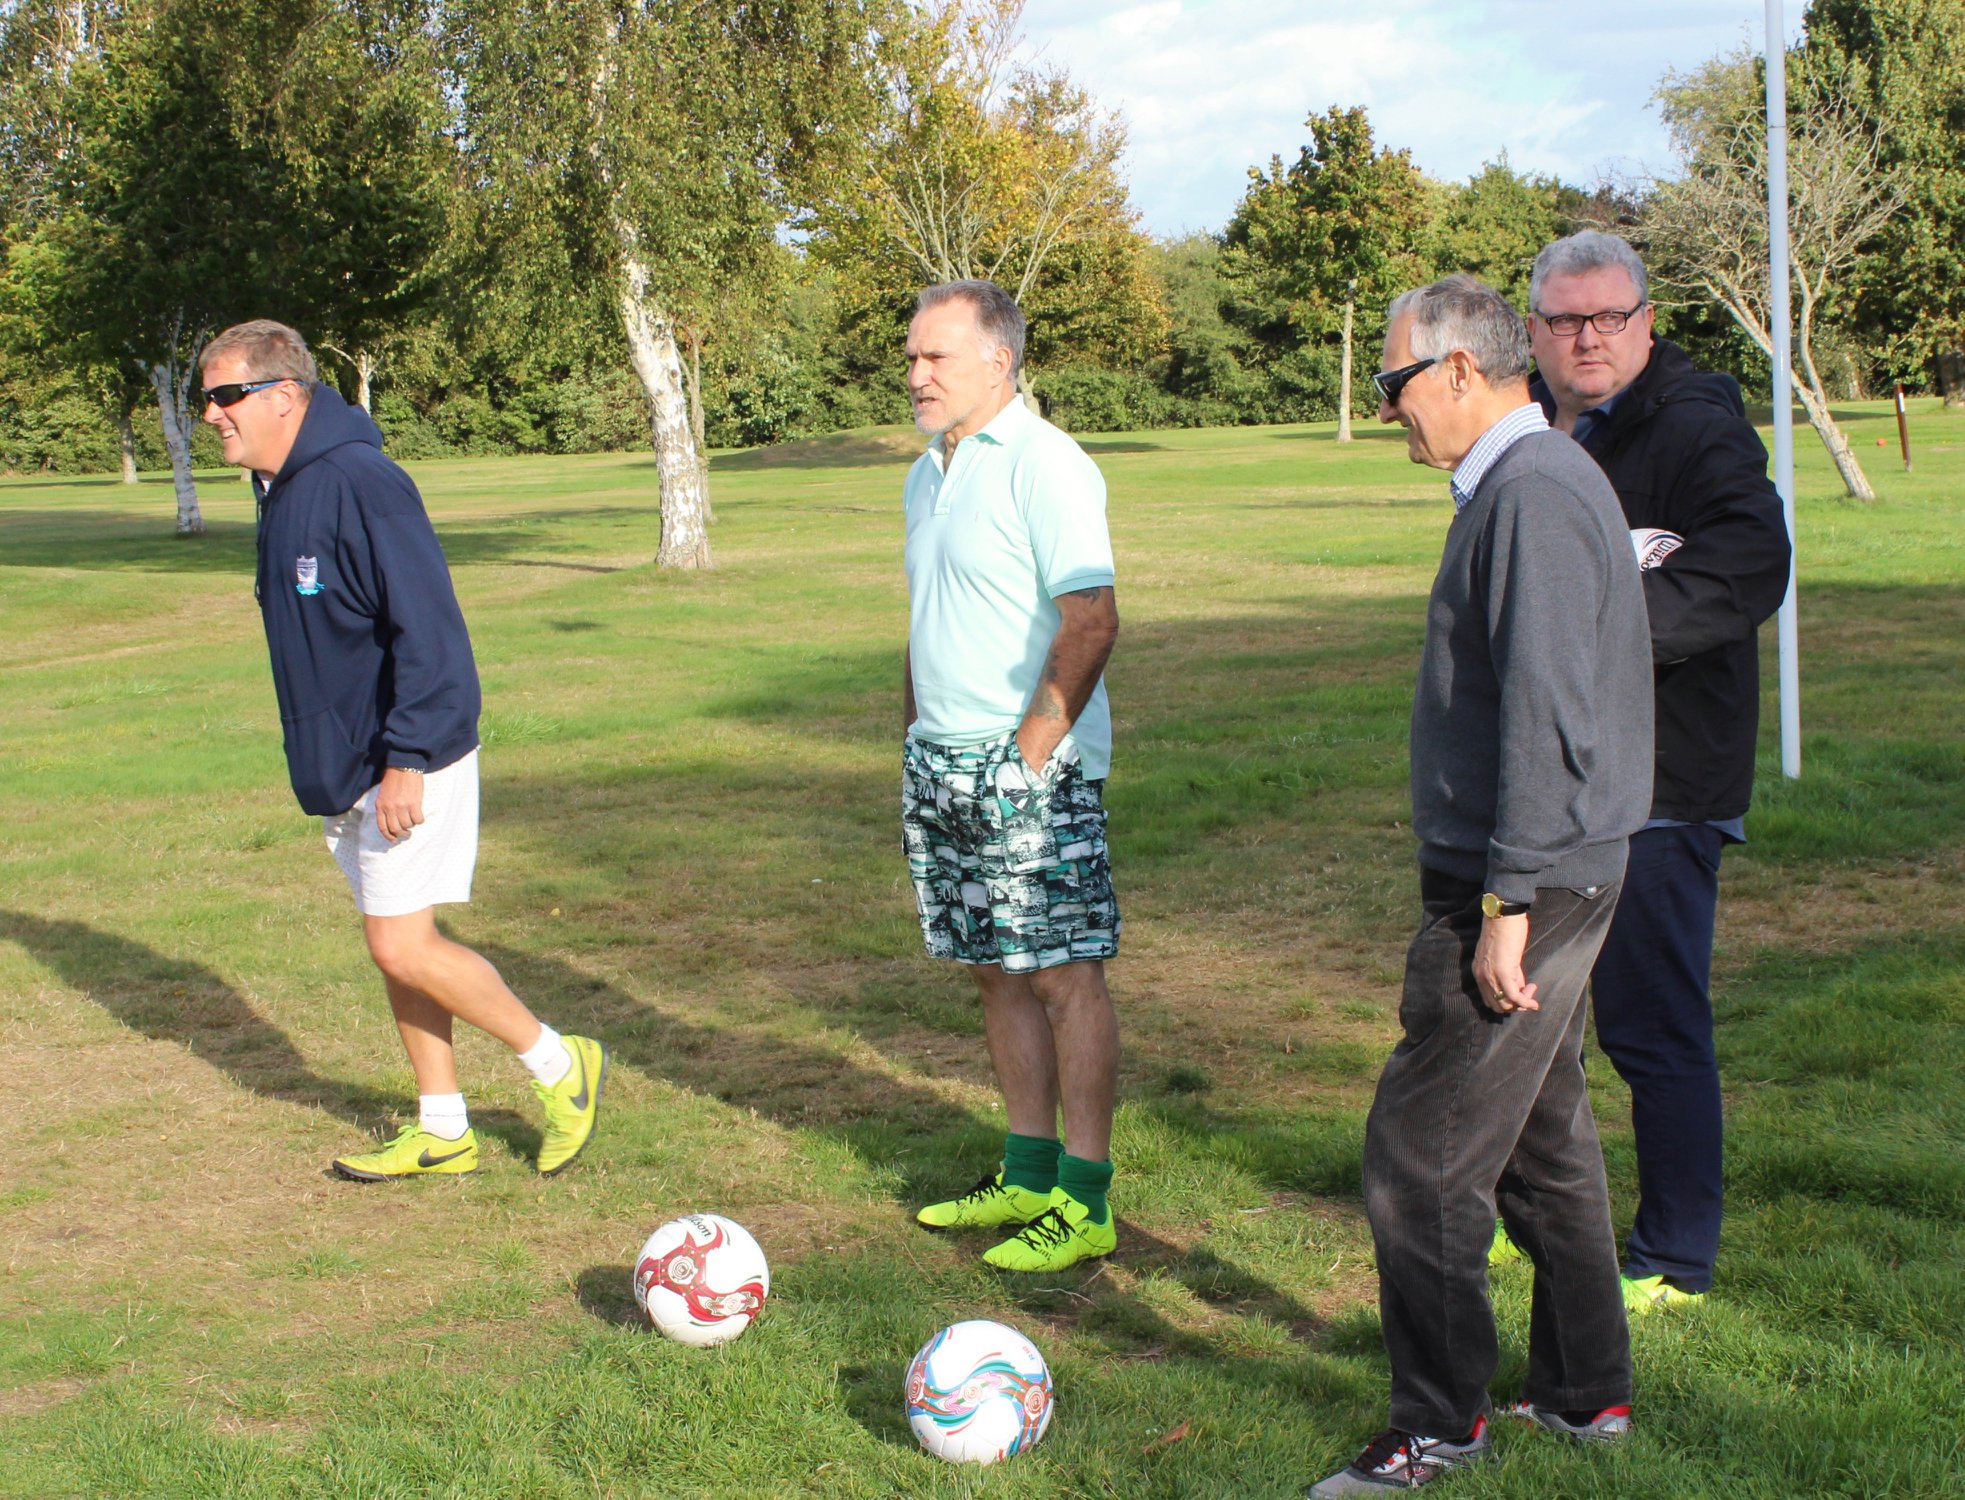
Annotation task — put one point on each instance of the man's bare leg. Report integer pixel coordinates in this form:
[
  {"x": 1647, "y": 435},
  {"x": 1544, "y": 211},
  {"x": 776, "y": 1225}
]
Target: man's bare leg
[
  {"x": 1021, "y": 1049},
  {"x": 414, "y": 956},
  {"x": 1085, "y": 1039},
  {"x": 426, "y": 1033}
]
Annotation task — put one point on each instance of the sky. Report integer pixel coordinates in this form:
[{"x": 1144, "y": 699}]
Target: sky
[{"x": 1210, "y": 88}]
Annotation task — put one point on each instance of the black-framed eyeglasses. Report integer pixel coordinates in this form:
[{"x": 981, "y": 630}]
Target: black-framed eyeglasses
[
  {"x": 237, "y": 391},
  {"x": 1568, "y": 325},
  {"x": 1391, "y": 382}
]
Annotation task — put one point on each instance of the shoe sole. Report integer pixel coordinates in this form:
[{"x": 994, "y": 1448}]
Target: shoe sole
[
  {"x": 1089, "y": 1255},
  {"x": 600, "y": 1085},
  {"x": 1550, "y": 1422},
  {"x": 356, "y": 1174},
  {"x": 1015, "y": 1226}
]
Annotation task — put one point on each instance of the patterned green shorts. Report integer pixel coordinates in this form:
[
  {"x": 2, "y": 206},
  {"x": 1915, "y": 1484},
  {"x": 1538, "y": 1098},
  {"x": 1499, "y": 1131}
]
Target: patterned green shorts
[{"x": 1008, "y": 868}]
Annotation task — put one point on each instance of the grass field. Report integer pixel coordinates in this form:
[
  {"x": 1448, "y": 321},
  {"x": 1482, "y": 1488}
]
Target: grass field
[{"x": 690, "y": 849}]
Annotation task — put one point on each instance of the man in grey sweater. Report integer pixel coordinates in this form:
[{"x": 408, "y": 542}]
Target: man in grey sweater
[{"x": 1531, "y": 767}]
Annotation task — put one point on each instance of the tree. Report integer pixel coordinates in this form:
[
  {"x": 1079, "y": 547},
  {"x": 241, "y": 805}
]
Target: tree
[
  {"x": 983, "y": 167},
  {"x": 642, "y": 154},
  {"x": 222, "y": 162},
  {"x": 1496, "y": 223},
  {"x": 1340, "y": 225},
  {"x": 1902, "y": 63},
  {"x": 1707, "y": 229}
]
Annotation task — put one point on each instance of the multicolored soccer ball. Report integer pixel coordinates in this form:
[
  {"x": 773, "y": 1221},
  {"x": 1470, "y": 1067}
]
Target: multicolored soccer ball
[
  {"x": 977, "y": 1392},
  {"x": 702, "y": 1279}
]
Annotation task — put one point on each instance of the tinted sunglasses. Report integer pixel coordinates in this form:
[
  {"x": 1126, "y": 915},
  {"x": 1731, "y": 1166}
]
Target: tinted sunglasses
[
  {"x": 237, "y": 391},
  {"x": 1391, "y": 382}
]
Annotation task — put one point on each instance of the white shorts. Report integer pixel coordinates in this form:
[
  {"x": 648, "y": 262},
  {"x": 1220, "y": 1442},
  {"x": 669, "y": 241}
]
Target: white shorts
[{"x": 431, "y": 866}]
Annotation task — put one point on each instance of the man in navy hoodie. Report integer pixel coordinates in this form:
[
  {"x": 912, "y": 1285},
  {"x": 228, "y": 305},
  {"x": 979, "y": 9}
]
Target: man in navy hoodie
[{"x": 379, "y": 707}]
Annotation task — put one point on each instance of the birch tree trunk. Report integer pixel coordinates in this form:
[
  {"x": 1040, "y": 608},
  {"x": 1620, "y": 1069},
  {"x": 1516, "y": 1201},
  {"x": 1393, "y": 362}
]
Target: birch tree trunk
[
  {"x": 658, "y": 364},
  {"x": 1344, "y": 379},
  {"x": 126, "y": 439},
  {"x": 172, "y": 393},
  {"x": 694, "y": 338},
  {"x": 1816, "y": 405}
]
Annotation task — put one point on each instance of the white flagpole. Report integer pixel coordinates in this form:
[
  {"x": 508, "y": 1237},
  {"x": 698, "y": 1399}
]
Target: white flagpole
[{"x": 1781, "y": 317}]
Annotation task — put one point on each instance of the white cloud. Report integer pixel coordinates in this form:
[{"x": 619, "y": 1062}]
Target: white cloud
[{"x": 1210, "y": 88}]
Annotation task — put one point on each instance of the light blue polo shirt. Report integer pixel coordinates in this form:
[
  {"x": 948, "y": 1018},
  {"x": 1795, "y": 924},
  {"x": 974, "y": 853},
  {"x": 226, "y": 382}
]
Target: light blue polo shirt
[{"x": 1016, "y": 519}]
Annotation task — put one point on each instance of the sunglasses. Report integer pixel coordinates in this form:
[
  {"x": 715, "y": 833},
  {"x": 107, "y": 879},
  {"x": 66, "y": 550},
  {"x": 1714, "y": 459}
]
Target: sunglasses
[
  {"x": 237, "y": 391},
  {"x": 1391, "y": 382}
]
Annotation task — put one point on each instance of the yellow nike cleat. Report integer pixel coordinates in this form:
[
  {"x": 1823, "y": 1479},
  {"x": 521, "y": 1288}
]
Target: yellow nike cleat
[
  {"x": 413, "y": 1153},
  {"x": 572, "y": 1105}
]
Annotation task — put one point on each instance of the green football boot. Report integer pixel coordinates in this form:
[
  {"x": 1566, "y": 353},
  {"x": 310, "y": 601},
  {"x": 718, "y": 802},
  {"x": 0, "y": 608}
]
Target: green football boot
[
  {"x": 990, "y": 1204},
  {"x": 413, "y": 1153},
  {"x": 1061, "y": 1236},
  {"x": 1501, "y": 1249},
  {"x": 572, "y": 1105},
  {"x": 1649, "y": 1294}
]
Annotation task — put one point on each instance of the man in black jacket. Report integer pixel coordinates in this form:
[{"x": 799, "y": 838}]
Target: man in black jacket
[
  {"x": 379, "y": 710},
  {"x": 1691, "y": 475}
]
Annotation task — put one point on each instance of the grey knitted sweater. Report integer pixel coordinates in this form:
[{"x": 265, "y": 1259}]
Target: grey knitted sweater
[{"x": 1531, "y": 726}]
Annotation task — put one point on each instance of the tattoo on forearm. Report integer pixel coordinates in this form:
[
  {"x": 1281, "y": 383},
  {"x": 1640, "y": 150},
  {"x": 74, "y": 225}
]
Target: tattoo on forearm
[{"x": 1089, "y": 595}]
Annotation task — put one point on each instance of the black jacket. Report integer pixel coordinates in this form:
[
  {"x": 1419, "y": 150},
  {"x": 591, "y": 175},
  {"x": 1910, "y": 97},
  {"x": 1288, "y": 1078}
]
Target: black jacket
[
  {"x": 1681, "y": 455},
  {"x": 371, "y": 661}
]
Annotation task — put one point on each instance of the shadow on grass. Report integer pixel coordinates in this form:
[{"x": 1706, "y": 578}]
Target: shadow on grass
[
  {"x": 839, "y": 450},
  {"x": 136, "y": 541},
  {"x": 1363, "y": 430},
  {"x": 122, "y": 541},
  {"x": 1120, "y": 445},
  {"x": 173, "y": 1000},
  {"x": 607, "y": 1293}
]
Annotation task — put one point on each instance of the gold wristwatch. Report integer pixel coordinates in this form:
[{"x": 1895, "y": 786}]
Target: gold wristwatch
[{"x": 1493, "y": 906}]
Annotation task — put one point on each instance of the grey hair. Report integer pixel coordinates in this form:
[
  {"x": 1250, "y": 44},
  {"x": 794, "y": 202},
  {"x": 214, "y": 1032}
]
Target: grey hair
[
  {"x": 1586, "y": 250},
  {"x": 1458, "y": 312},
  {"x": 268, "y": 350},
  {"x": 998, "y": 318}
]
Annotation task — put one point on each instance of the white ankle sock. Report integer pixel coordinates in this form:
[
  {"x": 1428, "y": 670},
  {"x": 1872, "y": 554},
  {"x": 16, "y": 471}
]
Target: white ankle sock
[
  {"x": 547, "y": 1059},
  {"x": 443, "y": 1115}
]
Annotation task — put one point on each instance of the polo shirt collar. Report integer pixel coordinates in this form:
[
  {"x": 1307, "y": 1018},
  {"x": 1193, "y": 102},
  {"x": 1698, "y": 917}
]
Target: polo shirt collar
[{"x": 1000, "y": 430}]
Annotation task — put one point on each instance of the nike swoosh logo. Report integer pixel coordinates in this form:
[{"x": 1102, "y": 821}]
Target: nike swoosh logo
[
  {"x": 427, "y": 1160},
  {"x": 580, "y": 1099}
]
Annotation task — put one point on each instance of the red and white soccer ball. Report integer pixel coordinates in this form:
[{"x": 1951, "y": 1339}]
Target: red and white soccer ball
[
  {"x": 701, "y": 1279},
  {"x": 977, "y": 1392}
]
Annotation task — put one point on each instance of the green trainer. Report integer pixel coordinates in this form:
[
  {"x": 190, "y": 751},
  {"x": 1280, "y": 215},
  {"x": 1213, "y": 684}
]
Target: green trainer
[
  {"x": 413, "y": 1153},
  {"x": 572, "y": 1105},
  {"x": 1501, "y": 1249},
  {"x": 1648, "y": 1294},
  {"x": 1061, "y": 1236},
  {"x": 990, "y": 1204}
]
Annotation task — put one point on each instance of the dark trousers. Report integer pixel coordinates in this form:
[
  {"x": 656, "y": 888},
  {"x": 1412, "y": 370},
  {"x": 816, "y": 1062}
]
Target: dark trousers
[
  {"x": 1477, "y": 1112},
  {"x": 1655, "y": 1024}
]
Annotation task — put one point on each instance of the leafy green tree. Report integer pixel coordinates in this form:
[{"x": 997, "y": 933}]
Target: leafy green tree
[
  {"x": 1494, "y": 225},
  {"x": 641, "y": 155},
  {"x": 221, "y": 161},
  {"x": 980, "y": 166},
  {"x": 1902, "y": 62},
  {"x": 1340, "y": 226}
]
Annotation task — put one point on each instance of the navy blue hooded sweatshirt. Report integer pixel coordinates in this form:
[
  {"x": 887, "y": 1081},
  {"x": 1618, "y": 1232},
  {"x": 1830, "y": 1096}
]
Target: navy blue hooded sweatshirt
[{"x": 371, "y": 660}]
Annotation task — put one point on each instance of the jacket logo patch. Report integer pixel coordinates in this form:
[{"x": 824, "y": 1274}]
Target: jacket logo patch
[{"x": 307, "y": 575}]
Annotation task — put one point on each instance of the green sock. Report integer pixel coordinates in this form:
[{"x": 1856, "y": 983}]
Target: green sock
[
  {"x": 1086, "y": 1181},
  {"x": 1031, "y": 1161}
]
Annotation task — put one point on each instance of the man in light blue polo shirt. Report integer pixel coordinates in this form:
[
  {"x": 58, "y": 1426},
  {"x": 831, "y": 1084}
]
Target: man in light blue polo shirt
[{"x": 1009, "y": 739}]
